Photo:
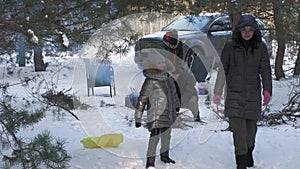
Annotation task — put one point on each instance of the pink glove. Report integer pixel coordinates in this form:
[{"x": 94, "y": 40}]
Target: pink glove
[
  {"x": 217, "y": 99},
  {"x": 267, "y": 97}
]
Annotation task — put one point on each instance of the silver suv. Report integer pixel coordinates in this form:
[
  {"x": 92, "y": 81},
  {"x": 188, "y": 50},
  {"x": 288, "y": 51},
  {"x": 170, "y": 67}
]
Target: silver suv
[{"x": 203, "y": 37}]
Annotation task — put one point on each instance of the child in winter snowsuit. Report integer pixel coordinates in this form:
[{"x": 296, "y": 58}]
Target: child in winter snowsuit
[
  {"x": 247, "y": 71},
  {"x": 160, "y": 96}
]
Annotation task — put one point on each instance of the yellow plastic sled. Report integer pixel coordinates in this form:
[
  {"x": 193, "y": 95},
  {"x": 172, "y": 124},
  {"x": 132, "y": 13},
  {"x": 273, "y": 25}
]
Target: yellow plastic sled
[{"x": 104, "y": 141}]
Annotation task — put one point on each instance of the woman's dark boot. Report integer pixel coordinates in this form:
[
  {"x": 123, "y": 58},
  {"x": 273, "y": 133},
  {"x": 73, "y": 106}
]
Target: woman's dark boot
[
  {"x": 164, "y": 157},
  {"x": 250, "y": 162},
  {"x": 150, "y": 162},
  {"x": 241, "y": 161}
]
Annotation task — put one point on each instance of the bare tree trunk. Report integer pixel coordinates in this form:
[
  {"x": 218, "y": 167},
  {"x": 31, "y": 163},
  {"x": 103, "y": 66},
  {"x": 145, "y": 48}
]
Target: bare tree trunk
[
  {"x": 21, "y": 51},
  {"x": 235, "y": 14},
  {"x": 297, "y": 65},
  {"x": 279, "y": 73},
  {"x": 39, "y": 64},
  {"x": 235, "y": 17},
  {"x": 280, "y": 37}
]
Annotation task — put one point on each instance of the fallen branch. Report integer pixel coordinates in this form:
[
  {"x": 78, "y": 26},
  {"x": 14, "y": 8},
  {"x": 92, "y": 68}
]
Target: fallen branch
[{"x": 290, "y": 112}]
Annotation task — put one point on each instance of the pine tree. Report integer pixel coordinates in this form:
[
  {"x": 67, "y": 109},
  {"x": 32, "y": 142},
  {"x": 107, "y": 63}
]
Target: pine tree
[{"x": 16, "y": 150}]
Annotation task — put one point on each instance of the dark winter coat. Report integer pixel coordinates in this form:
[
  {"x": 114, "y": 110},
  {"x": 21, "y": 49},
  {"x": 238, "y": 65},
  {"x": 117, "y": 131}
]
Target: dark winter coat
[
  {"x": 174, "y": 53},
  {"x": 186, "y": 80},
  {"x": 247, "y": 71},
  {"x": 159, "y": 95}
]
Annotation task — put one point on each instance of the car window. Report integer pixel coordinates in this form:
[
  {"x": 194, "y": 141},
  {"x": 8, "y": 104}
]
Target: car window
[
  {"x": 188, "y": 23},
  {"x": 222, "y": 23}
]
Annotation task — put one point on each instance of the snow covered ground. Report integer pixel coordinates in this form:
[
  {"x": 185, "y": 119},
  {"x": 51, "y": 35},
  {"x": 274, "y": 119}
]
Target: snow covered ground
[{"x": 195, "y": 146}]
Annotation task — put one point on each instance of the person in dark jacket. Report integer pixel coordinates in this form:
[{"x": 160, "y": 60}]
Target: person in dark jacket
[
  {"x": 159, "y": 95},
  {"x": 182, "y": 74},
  {"x": 247, "y": 72}
]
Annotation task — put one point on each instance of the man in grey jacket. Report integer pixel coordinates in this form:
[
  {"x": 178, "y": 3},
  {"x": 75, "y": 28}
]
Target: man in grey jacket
[{"x": 183, "y": 76}]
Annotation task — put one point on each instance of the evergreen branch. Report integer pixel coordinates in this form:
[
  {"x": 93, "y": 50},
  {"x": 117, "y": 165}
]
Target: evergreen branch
[
  {"x": 7, "y": 85},
  {"x": 12, "y": 134},
  {"x": 55, "y": 104},
  {"x": 64, "y": 108}
]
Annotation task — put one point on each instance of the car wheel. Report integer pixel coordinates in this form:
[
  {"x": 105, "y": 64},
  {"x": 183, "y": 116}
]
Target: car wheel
[{"x": 196, "y": 65}]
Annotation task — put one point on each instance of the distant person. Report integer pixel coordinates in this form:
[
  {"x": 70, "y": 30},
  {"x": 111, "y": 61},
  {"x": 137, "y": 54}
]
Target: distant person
[
  {"x": 160, "y": 96},
  {"x": 182, "y": 74},
  {"x": 247, "y": 72}
]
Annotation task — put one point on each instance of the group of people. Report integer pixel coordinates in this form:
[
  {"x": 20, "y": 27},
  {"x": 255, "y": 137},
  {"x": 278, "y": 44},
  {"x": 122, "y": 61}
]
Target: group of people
[{"x": 169, "y": 86}]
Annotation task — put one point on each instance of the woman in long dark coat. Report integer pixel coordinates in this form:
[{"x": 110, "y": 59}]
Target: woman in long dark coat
[{"x": 247, "y": 72}]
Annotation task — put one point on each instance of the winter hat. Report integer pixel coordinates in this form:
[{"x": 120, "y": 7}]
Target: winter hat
[
  {"x": 247, "y": 20},
  {"x": 154, "y": 57},
  {"x": 171, "y": 37}
]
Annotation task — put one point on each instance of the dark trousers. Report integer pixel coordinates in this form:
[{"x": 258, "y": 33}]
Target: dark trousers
[
  {"x": 244, "y": 132},
  {"x": 156, "y": 134}
]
